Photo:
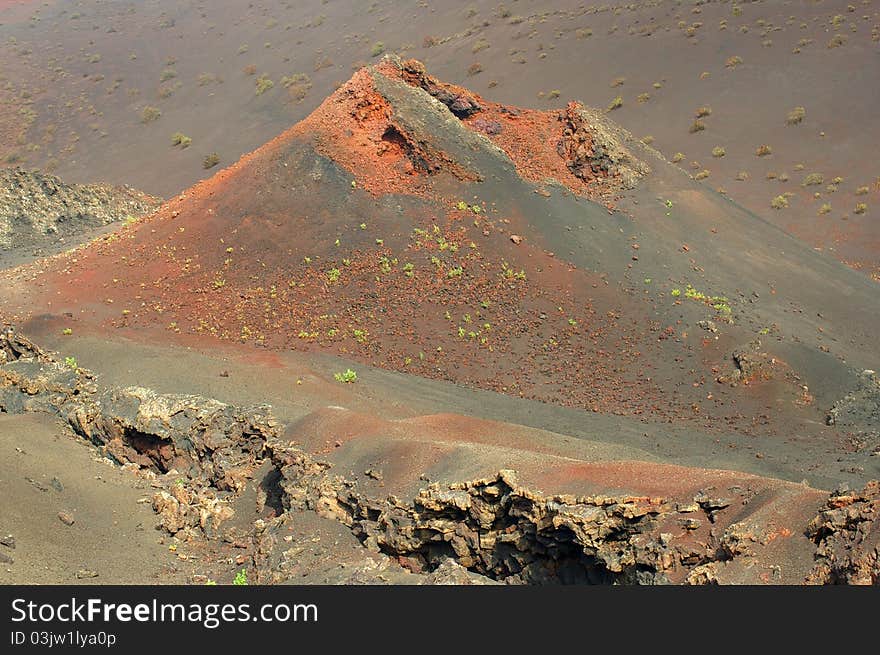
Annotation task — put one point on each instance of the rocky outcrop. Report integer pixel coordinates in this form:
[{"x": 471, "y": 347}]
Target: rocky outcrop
[
  {"x": 593, "y": 147},
  {"x": 847, "y": 536},
  {"x": 750, "y": 363},
  {"x": 35, "y": 208},
  {"x": 461, "y": 102},
  {"x": 31, "y": 380},
  {"x": 199, "y": 437},
  {"x": 859, "y": 410},
  {"x": 211, "y": 448},
  {"x": 200, "y": 453},
  {"x": 501, "y": 530}
]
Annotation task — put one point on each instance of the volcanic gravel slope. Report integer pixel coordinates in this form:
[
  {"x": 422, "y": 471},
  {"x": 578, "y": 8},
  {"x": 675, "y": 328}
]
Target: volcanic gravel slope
[{"x": 415, "y": 226}]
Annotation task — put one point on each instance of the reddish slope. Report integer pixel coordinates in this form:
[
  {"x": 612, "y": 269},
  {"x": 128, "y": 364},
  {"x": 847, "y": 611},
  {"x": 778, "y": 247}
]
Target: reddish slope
[{"x": 286, "y": 250}]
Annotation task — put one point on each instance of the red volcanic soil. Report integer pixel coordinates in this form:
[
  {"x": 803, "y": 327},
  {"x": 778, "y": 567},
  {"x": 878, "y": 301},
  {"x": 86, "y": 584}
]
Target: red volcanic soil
[
  {"x": 281, "y": 253},
  {"x": 539, "y": 143},
  {"x": 354, "y": 127}
]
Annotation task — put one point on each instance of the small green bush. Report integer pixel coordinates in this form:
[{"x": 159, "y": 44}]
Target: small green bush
[
  {"x": 796, "y": 116},
  {"x": 347, "y": 377},
  {"x": 150, "y": 114},
  {"x": 263, "y": 84},
  {"x": 180, "y": 139},
  {"x": 733, "y": 62},
  {"x": 779, "y": 202}
]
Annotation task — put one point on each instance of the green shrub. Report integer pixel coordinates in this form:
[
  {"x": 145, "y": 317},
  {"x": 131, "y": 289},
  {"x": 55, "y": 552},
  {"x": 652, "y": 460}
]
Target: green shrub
[
  {"x": 150, "y": 114},
  {"x": 263, "y": 84},
  {"x": 779, "y": 202},
  {"x": 733, "y": 62},
  {"x": 180, "y": 139},
  {"x": 347, "y": 377},
  {"x": 796, "y": 116}
]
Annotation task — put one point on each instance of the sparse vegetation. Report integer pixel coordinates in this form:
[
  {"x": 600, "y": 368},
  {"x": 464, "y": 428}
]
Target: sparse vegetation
[
  {"x": 718, "y": 151},
  {"x": 617, "y": 103},
  {"x": 263, "y": 84},
  {"x": 377, "y": 49},
  {"x": 697, "y": 126},
  {"x": 702, "y": 112},
  {"x": 180, "y": 139},
  {"x": 210, "y": 160},
  {"x": 733, "y": 62},
  {"x": 796, "y": 116},
  {"x": 297, "y": 85},
  {"x": 150, "y": 114},
  {"x": 205, "y": 79},
  {"x": 481, "y": 44},
  {"x": 813, "y": 179},
  {"x": 779, "y": 202},
  {"x": 347, "y": 377},
  {"x": 861, "y": 208},
  {"x": 763, "y": 150}
]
